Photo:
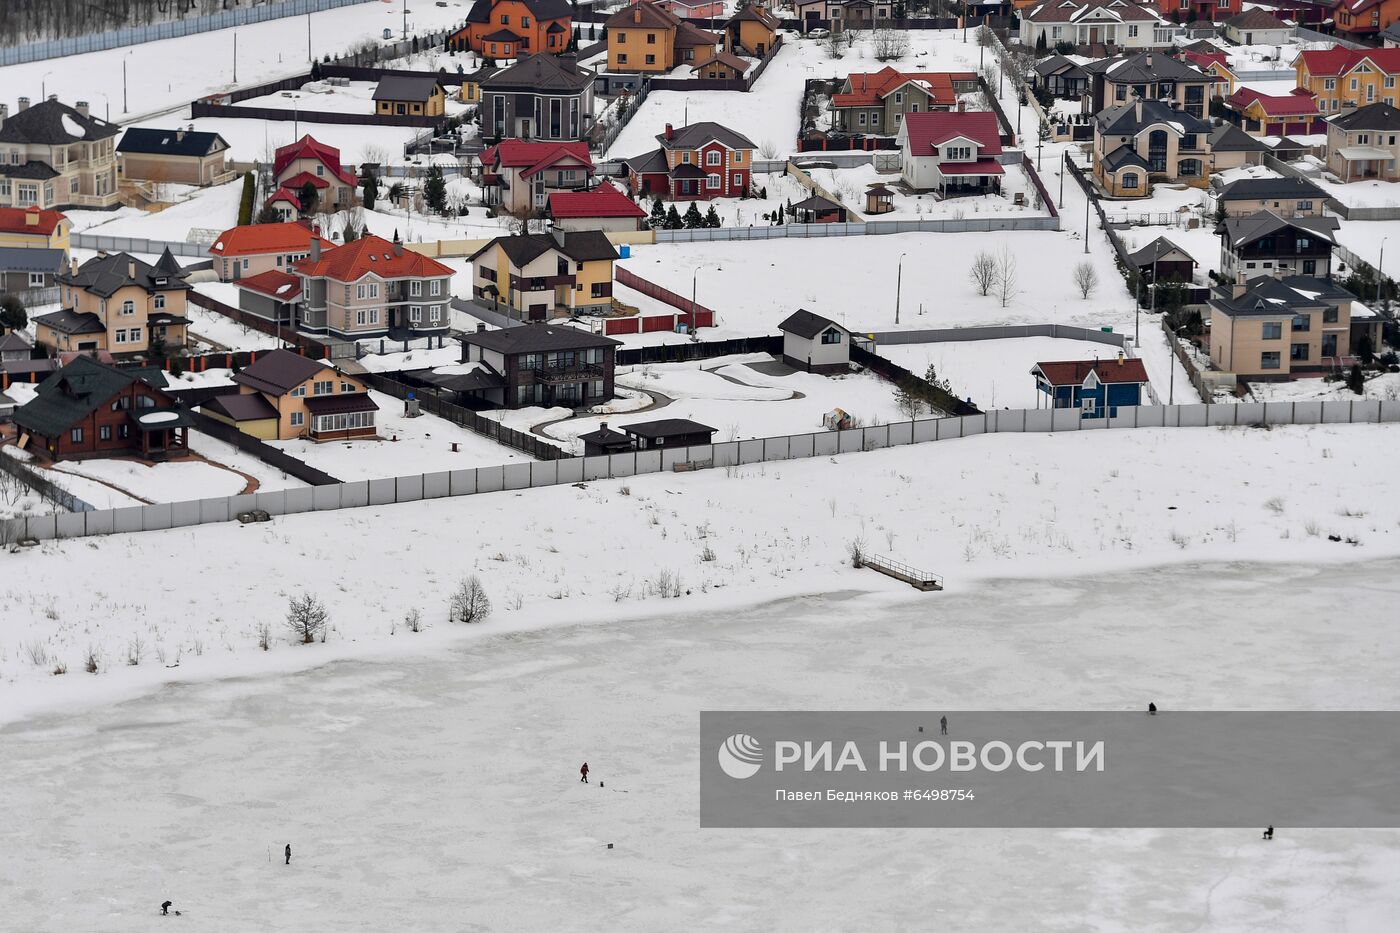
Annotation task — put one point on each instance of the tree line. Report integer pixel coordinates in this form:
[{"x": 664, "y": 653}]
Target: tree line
[{"x": 24, "y": 21}]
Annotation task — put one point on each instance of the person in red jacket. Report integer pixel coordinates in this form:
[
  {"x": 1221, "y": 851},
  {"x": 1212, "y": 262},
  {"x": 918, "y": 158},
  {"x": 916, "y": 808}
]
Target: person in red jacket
[{"x": 583, "y": 773}]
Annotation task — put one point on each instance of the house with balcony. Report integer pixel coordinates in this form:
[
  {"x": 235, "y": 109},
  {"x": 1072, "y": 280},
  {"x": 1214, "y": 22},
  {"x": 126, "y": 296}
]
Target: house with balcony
[
  {"x": 1269, "y": 327},
  {"x": 307, "y": 161},
  {"x": 539, "y": 276},
  {"x": 1269, "y": 244},
  {"x": 541, "y": 97},
  {"x": 696, "y": 162},
  {"x": 1291, "y": 114},
  {"x": 178, "y": 156},
  {"x": 284, "y": 396},
  {"x": 1155, "y": 76},
  {"x": 951, "y": 153},
  {"x": 1342, "y": 78},
  {"x": 644, "y": 38},
  {"x": 1062, "y": 77},
  {"x": 241, "y": 252},
  {"x": 876, "y": 104},
  {"x": 1123, "y": 24},
  {"x": 373, "y": 287},
  {"x": 1365, "y": 143},
  {"x": 55, "y": 156},
  {"x": 120, "y": 304},
  {"x": 501, "y": 29},
  {"x": 543, "y": 365},
  {"x": 1145, "y": 141},
  {"x": 520, "y": 175}
]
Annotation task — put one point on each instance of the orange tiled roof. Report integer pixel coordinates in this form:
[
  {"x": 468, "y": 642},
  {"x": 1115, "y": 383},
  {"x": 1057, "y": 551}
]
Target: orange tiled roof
[
  {"x": 368, "y": 254},
  {"x": 15, "y": 220},
  {"x": 266, "y": 238},
  {"x": 867, "y": 90}
]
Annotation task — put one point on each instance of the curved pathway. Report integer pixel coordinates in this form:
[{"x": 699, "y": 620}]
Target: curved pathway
[{"x": 657, "y": 401}]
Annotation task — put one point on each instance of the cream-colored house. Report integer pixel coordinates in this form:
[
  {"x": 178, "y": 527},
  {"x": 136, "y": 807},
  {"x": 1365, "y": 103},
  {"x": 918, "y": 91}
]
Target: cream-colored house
[
  {"x": 119, "y": 304},
  {"x": 283, "y": 396},
  {"x": 1145, "y": 140},
  {"x": 34, "y": 228},
  {"x": 56, "y": 156},
  {"x": 176, "y": 156},
  {"x": 1365, "y": 143},
  {"x": 373, "y": 287},
  {"x": 539, "y": 275},
  {"x": 1271, "y": 327}
]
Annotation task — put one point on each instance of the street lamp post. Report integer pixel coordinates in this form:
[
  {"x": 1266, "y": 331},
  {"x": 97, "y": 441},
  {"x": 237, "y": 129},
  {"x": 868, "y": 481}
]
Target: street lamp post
[
  {"x": 1087, "y": 199},
  {"x": 898, "y": 284},
  {"x": 1064, "y": 159},
  {"x": 44, "y": 86},
  {"x": 694, "y": 279},
  {"x": 1380, "y": 270}
]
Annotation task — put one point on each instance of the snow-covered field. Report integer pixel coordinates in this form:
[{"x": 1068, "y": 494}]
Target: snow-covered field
[
  {"x": 227, "y": 333},
  {"x": 174, "y": 481},
  {"x": 214, "y": 208}
]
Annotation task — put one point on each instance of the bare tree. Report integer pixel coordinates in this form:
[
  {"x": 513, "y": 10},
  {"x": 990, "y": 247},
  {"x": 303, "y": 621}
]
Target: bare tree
[
  {"x": 835, "y": 45},
  {"x": 1085, "y": 279},
  {"x": 306, "y": 616},
  {"x": 983, "y": 272},
  {"x": 469, "y": 603},
  {"x": 1006, "y": 277},
  {"x": 889, "y": 43},
  {"x": 768, "y": 149}
]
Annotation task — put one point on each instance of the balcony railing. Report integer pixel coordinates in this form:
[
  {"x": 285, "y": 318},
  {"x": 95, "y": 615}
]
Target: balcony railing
[
  {"x": 566, "y": 372},
  {"x": 540, "y": 283}
]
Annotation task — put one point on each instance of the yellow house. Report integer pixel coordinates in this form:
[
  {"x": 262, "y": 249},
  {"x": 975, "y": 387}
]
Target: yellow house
[
  {"x": 119, "y": 304},
  {"x": 1339, "y": 77},
  {"x": 646, "y": 39},
  {"x": 34, "y": 228},
  {"x": 1271, "y": 327},
  {"x": 543, "y": 275},
  {"x": 284, "y": 396},
  {"x": 751, "y": 31},
  {"x": 402, "y": 96}
]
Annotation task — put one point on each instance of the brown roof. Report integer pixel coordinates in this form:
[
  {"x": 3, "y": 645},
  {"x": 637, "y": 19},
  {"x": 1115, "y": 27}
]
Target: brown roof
[
  {"x": 642, "y": 15},
  {"x": 246, "y": 407},
  {"x": 340, "y": 404},
  {"x": 1074, "y": 372},
  {"x": 279, "y": 372}
]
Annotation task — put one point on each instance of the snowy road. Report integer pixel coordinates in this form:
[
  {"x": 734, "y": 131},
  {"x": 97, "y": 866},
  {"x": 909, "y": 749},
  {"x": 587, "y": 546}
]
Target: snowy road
[{"x": 442, "y": 793}]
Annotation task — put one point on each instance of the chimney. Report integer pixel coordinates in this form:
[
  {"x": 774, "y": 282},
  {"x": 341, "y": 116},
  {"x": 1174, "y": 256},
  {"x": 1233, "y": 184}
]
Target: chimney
[
  {"x": 962, "y": 106},
  {"x": 23, "y": 104},
  {"x": 602, "y": 428},
  {"x": 315, "y": 249},
  {"x": 636, "y": 15},
  {"x": 83, "y": 108},
  {"x": 481, "y": 328},
  {"x": 130, "y": 268},
  {"x": 670, "y": 131},
  {"x": 72, "y": 267},
  {"x": 1149, "y": 59},
  {"x": 31, "y": 216},
  {"x": 53, "y": 97},
  {"x": 1120, "y": 357},
  {"x": 1239, "y": 287},
  {"x": 558, "y": 235},
  {"x": 179, "y": 135},
  {"x": 398, "y": 244},
  {"x": 1137, "y": 110}
]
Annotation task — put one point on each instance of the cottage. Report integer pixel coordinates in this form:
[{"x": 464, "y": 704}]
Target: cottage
[
  {"x": 521, "y": 175},
  {"x": 307, "y": 161},
  {"x": 876, "y": 104},
  {"x": 751, "y": 31},
  {"x": 1365, "y": 143},
  {"x": 176, "y": 156},
  {"x": 1163, "y": 261},
  {"x": 15, "y": 348},
  {"x": 34, "y": 228},
  {"x": 283, "y": 396},
  {"x": 545, "y": 365},
  {"x": 951, "y": 153},
  {"x": 372, "y": 287},
  {"x": 1154, "y": 76},
  {"x": 644, "y": 38},
  {"x": 819, "y": 210},
  {"x": 700, "y": 161},
  {"x": 22, "y": 270},
  {"x": 512, "y": 28},
  {"x": 1148, "y": 138},
  {"x": 1121, "y": 23},
  {"x": 541, "y": 275},
  {"x": 241, "y": 252},
  {"x": 1270, "y": 244},
  {"x": 540, "y": 97},
  {"x": 1231, "y": 147},
  {"x": 119, "y": 304},
  {"x": 409, "y": 96},
  {"x": 1257, "y": 27},
  {"x": 605, "y": 441},
  {"x": 1294, "y": 113},
  {"x": 1340, "y": 77},
  {"x": 1270, "y": 327},
  {"x": 815, "y": 344},
  {"x": 604, "y": 208},
  {"x": 1098, "y": 388},
  {"x": 669, "y": 432},
  {"x": 1061, "y": 76},
  {"x": 90, "y": 409},
  {"x": 1286, "y": 197},
  {"x": 725, "y": 66},
  {"x": 56, "y": 156}
]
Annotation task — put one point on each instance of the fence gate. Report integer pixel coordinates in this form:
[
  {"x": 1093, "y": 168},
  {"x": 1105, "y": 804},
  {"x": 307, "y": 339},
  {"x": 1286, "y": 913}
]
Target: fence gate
[{"x": 887, "y": 161}]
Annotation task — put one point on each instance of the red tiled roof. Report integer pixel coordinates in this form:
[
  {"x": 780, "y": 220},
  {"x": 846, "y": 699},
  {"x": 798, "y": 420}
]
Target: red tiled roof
[
  {"x": 1074, "y": 372},
  {"x": 266, "y": 238},
  {"x": 1298, "y": 103},
  {"x": 533, "y": 156},
  {"x": 299, "y": 180},
  {"x": 1339, "y": 59},
  {"x": 980, "y": 167},
  {"x": 603, "y": 201},
  {"x": 928, "y": 130},
  {"x": 15, "y": 220},
  {"x": 308, "y": 148},
  {"x": 1203, "y": 59},
  {"x": 868, "y": 89},
  {"x": 274, "y": 283},
  {"x": 370, "y": 254},
  {"x": 283, "y": 194}
]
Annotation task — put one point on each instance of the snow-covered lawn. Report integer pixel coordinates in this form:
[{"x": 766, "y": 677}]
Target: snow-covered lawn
[
  {"x": 407, "y": 446},
  {"x": 1383, "y": 386},
  {"x": 214, "y": 208},
  {"x": 1201, "y": 243},
  {"x": 257, "y": 140},
  {"x": 173, "y": 481},
  {"x": 355, "y": 97},
  {"x": 994, "y": 373},
  {"x": 226, "y": 332},
  {"x": 269, "y": 478}
]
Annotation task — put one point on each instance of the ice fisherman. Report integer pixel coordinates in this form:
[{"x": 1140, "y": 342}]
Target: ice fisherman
[
  {"x": 943, "y": 725},
  {"x": 583, "y": 773},
  {"x": 1152, "y": 709},
  {"x": 288, "y": 853},
  {"x": 1269, "y": 833},
  {"x": 165, "y": 908}
]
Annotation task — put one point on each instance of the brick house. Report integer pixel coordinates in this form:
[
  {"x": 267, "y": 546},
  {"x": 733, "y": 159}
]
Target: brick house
[
  {"x": 696, "y": 162},
  {"x": 56, "y": 156},
  {"x": 1190, "y": 11},
  {"x": 540, "y": 275},
  {"x": 520, "y": 175},
  {"x": 512, "y": 28},
  {"x": 307, "y": 160},
  {"x": 545, "y": 364},
  {"x": 89, "y": 409},
  {"x": 371, "y": 287},
  {"x": 176, "y": 156},
  {"x": 240, "y": 252},
  {"x": 283, "y": 396},
  {"x": 119, "y": 304}
]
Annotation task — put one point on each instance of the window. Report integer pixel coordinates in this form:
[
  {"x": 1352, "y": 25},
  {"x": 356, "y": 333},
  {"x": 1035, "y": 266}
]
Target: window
[
  {"x": 860, "y": 118},
  {"x": 651, "y": 59},
  {"x": 298, "y": 418},
  {"x": 685, "y": 158},
  {"x": 120, "y": 336},
  {"x": 1130, "y": 180},
  {"x": 76, "y": 435},
  {"x": 737, "y": 156},
  {"x": 36, "y": 279},
  {"x": 415, "y": 287},
  {"x": 367, "y": 291},
  {"x": 622, "y": 58},
  {"x": 323, "y": 387},
  {"x": 505, "y": 19},
  {"x": 651, "y": 38},
  {"x": 737, "y": 180},
  {"x": 361, "y": 317},
  {"x": 1271, "y": 330},
  {"x": 1301, "y": 323},
  {"x": 415, "y": 314},
  {"x": 1270, "y": 360},
  {"x": 712, "y": 182},
  {"x": 524, "y": 20},
  {"x": 299, "y": 392},
  {"x": 435, "y": 286},
  {"x": 1088, "y": 402},
  {"x": 320, "y": 170},
  {"x": 128, "y": 307},
  {"x": 1390, "y": 81},
  {"x": 346, "y": 387},
  {"x": 435, "y": 314},
  {"x": 713, "y": 157},
  {"x": 104, "y": 433},
  {"x": 122, "y": 404},
  {"x": 159, "y": 303},
  {"x": 136, "y": 335},
  {"x": 899, "y": 97},
  {"x": 1354, "y": 84},
  {"x": 831, "y": 336},
  {"x": 1133, "y": 31},
  {"x": 1305, "y": 205},
  {"x": 621, "y": 38},
  {"x": 1330, "y": 316},
  {"x": 1329, "y": 84},
  {"x": 1298, "y": 352}
]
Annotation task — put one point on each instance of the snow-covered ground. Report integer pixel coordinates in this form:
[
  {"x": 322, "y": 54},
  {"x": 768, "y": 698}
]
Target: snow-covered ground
[
  {"x": 1377, "y": 386},
  {"x": 214, "y": 208},
  {"x": 227, "y": 333},
  {"x": 174, "y": 481}
]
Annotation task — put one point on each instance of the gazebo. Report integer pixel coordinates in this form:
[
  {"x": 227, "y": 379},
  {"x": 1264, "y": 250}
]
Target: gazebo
[
  {"x": 819, "y": 210},
  {"x": 879, "y": 199}
]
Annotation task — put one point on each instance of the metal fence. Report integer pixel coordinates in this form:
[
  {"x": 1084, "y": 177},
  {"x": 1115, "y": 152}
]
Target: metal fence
[
  {"x": 569, "y": 470},
  {"x": 874, "y": 227},
  {"x": 135, "y": 35},
  {"x": 136, "y": 244},
  {"x": 999, "y": 332}
]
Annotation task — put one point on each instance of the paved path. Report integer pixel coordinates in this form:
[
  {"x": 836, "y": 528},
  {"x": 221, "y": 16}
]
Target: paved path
[
  {"x": 774, "y": 368},
  {"x": 657, "y": 401}
]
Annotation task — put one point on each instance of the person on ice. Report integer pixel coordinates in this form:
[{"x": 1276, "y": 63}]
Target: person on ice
[
  {"x": 1152, "y": 709},
  {"x": 288, "y": 853},
  {"x": 1269, "y": 833},
  {"x": 165, "y": 908},
  {"x": 583, "y": 773},
  {"x": 943, "y": 725}
]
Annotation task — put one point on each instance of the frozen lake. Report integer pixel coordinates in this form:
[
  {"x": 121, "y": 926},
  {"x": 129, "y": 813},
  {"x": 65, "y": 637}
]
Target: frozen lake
[{"x": 443, "y": 794}]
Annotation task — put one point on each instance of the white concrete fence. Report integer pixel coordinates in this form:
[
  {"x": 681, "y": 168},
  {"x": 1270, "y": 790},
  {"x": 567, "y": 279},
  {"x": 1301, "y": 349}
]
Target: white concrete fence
[{"x": 512, "y": 476}]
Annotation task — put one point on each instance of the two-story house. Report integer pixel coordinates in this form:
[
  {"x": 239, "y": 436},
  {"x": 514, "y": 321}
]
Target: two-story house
[
  {"x": 1191, "y": 11},
  {"x": 540, "y": 97},
  {"x": 1286, "y": 197},
  {"x": 1146, "y": 140},
  {"x": 1342, "y": 78},
  {"x": 876, "y": 104},
  {"x": 34, "y": 228},
  {"x": 952, "y": 153},
  {"x": 1114, "y": 82},
  {"x": 371, "y": 287},
  {"x": 308, "y": 161},
  {"x": 644, "y": 38},
  {"x": 1097, "y": 388},
  {"x": 1365, "y": 143},
  {"x": 119, "y": 304},
  {"x": 540, "y": 275},
  {"x": 1269, "y": 327},
  {"x": 751, "y": 31},
  {"x": 88, "y": 409},
  {"x": 498, "y": 29},
  {"x": 520, "y": 175},
  {"x": 283, "y": 396},
  {"x": 56, "y": 156},
  {"x": 1266, "y": 243},
  {"x": 178, "y": 156},
  {"x": 1292, "y": 114},
  {"x": 242, "y": 252},
  {"x": 1363, "y": 19},
  {"x": 842, "y": 14},
  {"x": 1126, "y": 24},
  {"x": 545, "y": 364},
  {"x": 700, "y": 161}
]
